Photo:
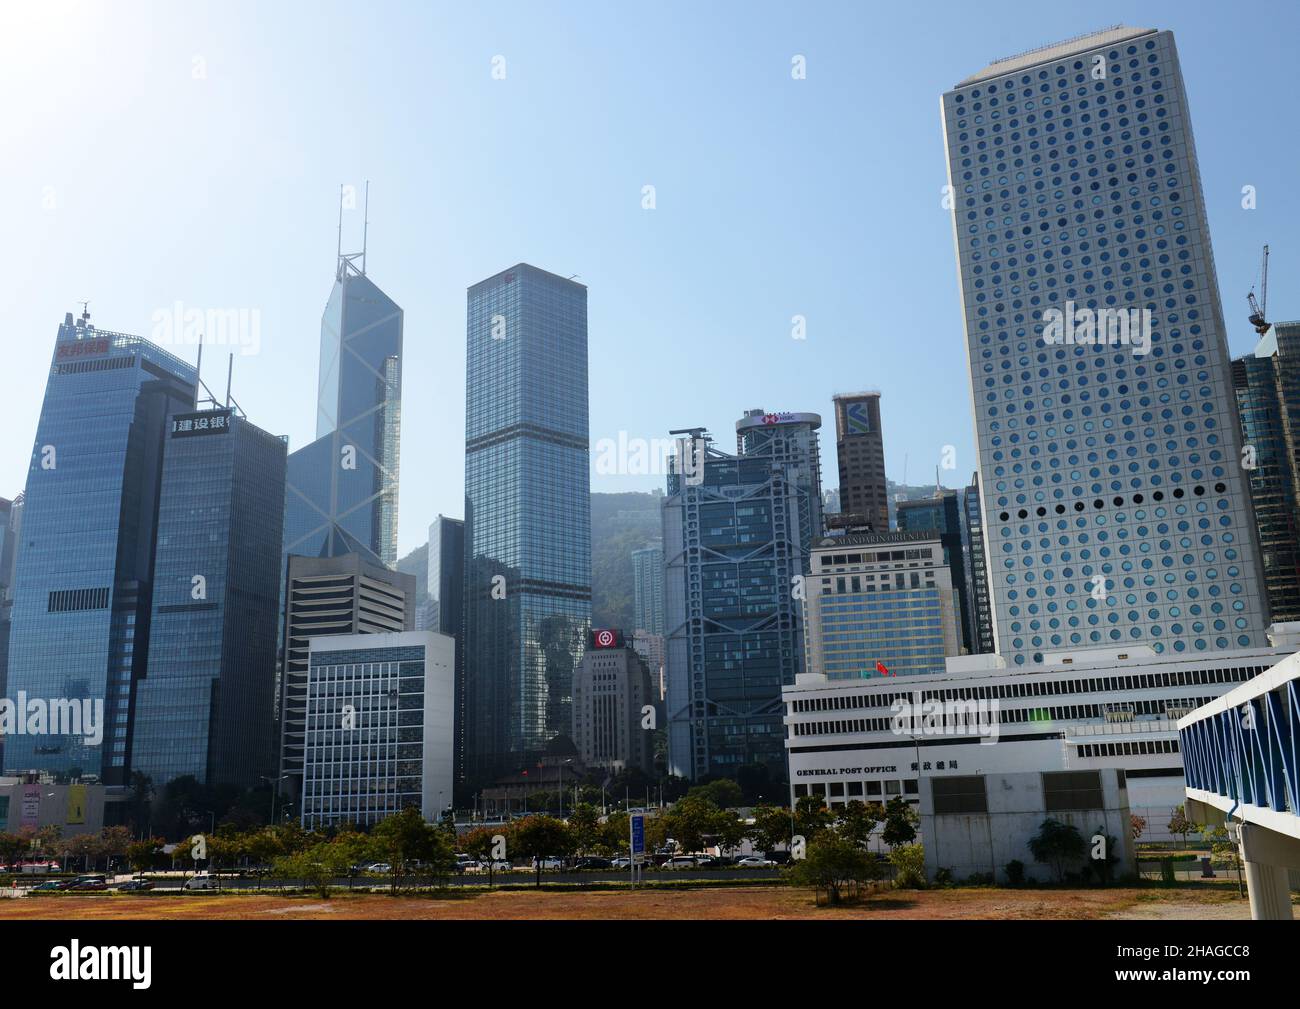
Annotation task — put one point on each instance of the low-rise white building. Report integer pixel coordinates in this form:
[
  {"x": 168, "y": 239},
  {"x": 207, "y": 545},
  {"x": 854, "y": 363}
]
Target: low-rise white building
[{"x": 876, "y": 738}]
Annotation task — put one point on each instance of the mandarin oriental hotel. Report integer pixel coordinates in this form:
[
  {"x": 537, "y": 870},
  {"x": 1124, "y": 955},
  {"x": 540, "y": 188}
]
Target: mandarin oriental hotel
[{"x": 379, "y": 727}]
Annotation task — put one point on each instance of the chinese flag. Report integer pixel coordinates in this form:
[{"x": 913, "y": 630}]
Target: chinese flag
[{"x": 880, "y": 668}]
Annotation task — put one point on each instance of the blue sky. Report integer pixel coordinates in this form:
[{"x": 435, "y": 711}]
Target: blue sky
[{"x": 129, "y": 180}]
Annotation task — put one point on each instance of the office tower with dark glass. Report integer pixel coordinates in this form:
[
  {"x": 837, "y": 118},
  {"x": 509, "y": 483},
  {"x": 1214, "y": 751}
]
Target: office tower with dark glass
[
  {"x": 342, "y": 488},
  {"x": 11, "y": 513},
  {"x": 737, "y": 534},
  {"x": 860, "y": 450},
  {"x": 1075, "y": 186},
  {"x": 329, "y": 596},
  {"x": 940, "y": 515},
  {"x": 648, "y": 589},
  {"x": 1267, "y": 384},
  {"x": 445, "y": 579},
  {"x": 527, "y": 514},
  {"x": 82, "y": 589},
  {"x": 205, "y": 706},
  {"x": 977, "y": 570},
  {"x": 416, "y": 563}
]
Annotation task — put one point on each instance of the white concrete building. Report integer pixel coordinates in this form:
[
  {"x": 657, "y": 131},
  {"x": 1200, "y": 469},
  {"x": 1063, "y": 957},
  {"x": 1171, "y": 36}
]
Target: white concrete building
[
  {"x": 378, "y": 731},
  {"x": 872, "y": 739}
]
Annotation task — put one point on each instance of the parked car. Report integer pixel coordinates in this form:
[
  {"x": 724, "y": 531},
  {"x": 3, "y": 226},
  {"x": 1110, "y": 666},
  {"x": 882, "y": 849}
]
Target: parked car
[
  {"x": 622, "y": 862},
  {"x": 756, "y": 862},
  {"x": 89, "y": 882},
  {"x": 50, "y": 885},
  {"x": 500, "y": 865},
  {"x": 682, "y": 862},
  {"x": 203, "y": 881},
  {"x": 548, "y": 862},
  {"x": 135, "y": 884},
  {"x": 594, "y": 862},
  {"x": 468, "y": 865},
  {"x": 382, "y": 868}
]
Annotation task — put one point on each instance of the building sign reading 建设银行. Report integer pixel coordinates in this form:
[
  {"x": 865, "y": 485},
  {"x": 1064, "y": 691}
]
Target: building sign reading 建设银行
[{"x": 188, "y": 425}]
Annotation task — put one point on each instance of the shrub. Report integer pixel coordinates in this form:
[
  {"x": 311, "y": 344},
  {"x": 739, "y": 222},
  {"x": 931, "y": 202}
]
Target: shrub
[
  {"x": 1015, "y": 870},
  {"x": 908, "y": 861},
  {"x": 943, "y": 877}
]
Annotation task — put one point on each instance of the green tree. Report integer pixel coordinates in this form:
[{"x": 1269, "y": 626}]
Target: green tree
[
  {"x": 857, "y": 821},
  {"x": 771, "y": 828},
  {"x": 834, "y": 864},
  {"x": 690, "y": 820},
  {"x": 723, "y": 793},
  {"x": 900, "y": 822},
  {"x": 616, "y": 833},
  {"x": 146, "y": 854},
  {"x": 1180, "y": 825},
  {"x": 12, "y": 849},
  {"x": 811, "y": 816},
  {"x": 539, "y": 837},
  {"x": 405, "y": 838},
  {"x": 1057, "y": 844},
  {"x": 317, "y": 866},
  {"x": 908, "y": 861},
  {"x": 584, "y": 824}
]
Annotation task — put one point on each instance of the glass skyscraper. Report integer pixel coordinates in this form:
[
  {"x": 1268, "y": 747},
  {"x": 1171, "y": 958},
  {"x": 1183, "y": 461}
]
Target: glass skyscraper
[
  {"x": 205, "y": 707},
  {"x": 82, "y": 590},
  {"x": 527, "y": 514},
  {"x": 941, "y": 514},
  {"x": 446, "y": 609},
  {"x": 737, "y": 534},
  {"x": 648, "y": 589},
  {"x": 1114, "y": 501},
  {"x": 1267, "y": 384},
  {"x": 342, "y": 488}
]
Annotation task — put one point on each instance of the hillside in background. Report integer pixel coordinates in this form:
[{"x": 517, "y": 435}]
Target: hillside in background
[{"x": 620, "y": 523}]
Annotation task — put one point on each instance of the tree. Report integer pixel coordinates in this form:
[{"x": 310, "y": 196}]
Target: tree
[
  {"x": 1056, "y": 844},
  {"x": 405, "y": 838},
  {"x": 1179, "y": 824},
  {"x": 584, "y": 823},
  {"x": 479, "y": 843},
  {"x": 690, "y": 820},
  {"x": 723, "y": 793},
  {"x": 811, "y": 816},
  {"x": 772, "y": 826},
  {"x": 835, "y": 864},
  {"x": 900, "y": 822},
  {"x": 908, "y": 861},
  {"x": 318, "y": 865},
  {"x": 146, "y": 854},
  {"x": 12, "y": 848},
  {"x": 857, "y": 821},
  {"x": 539, "y": 837},
  {"x": 1138, "y": 824}
]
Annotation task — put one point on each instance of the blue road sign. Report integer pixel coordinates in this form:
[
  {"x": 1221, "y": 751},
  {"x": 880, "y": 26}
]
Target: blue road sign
[{"x": 638, "y": 834}]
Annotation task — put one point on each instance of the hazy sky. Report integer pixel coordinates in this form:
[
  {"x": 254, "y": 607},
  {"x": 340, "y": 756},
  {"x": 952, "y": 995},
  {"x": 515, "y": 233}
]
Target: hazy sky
[{"x": 155, "y": 153}]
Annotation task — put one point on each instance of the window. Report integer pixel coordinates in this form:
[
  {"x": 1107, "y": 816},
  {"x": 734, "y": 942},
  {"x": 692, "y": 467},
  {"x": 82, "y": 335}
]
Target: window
[
  {"x": 1064, "y": 790},
  {"x": 959, "y": 794}
]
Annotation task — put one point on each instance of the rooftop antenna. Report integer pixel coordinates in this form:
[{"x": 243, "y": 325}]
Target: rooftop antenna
[
  {"x": 85, "y": 312},
  {"x": 365, "y": 230},
  {"x": 339, "y": 253},
  {"x": 199, "y": 383}
]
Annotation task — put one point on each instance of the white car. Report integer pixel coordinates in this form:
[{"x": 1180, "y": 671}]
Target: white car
[
  {"x": 379, "y": 867},
  {"x": 548, "y": 863},
  {"x": 622, "y": 862},
  {"x": 200, "y": 882},
  {"x": 682, "y": 862},
  {"x": 756, "y": 862}
]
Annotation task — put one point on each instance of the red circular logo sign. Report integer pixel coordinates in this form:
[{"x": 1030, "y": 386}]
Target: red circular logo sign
[{"x": 605, "y": 639}]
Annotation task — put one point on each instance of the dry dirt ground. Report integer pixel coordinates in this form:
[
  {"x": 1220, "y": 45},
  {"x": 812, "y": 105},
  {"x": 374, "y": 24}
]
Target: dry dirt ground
[{"x": 707, "y": 904}]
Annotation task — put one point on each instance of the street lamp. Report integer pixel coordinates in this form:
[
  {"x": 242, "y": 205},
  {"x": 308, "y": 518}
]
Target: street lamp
[{"x": 275, "y": 791}]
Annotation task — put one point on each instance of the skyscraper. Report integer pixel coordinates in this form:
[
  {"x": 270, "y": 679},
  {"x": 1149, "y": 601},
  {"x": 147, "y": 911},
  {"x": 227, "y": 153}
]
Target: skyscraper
[
  {"x": 737, "y": 534},
  {"x": 82, "y": 589},
  {"x": 205, "y": 706},
  {"x": 527, "y": 513},
  {"x": 941, "y": 515},
  {"x": 445, "y": 579},
  {"x": 342, "y": 488},
  {"x": 648, "y": 589},
  {"x": 977, "y": 570},
  {"x": 327, "y": 596},
  {"x": 1267, "y": 384},
  {"x": 860, "y": 449},
  {"x": 1114, "y": 501},
  {"x": 11, "y": 513}
]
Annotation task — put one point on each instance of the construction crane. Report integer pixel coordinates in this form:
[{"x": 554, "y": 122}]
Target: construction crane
[{"x": 1257, "y": 317}]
